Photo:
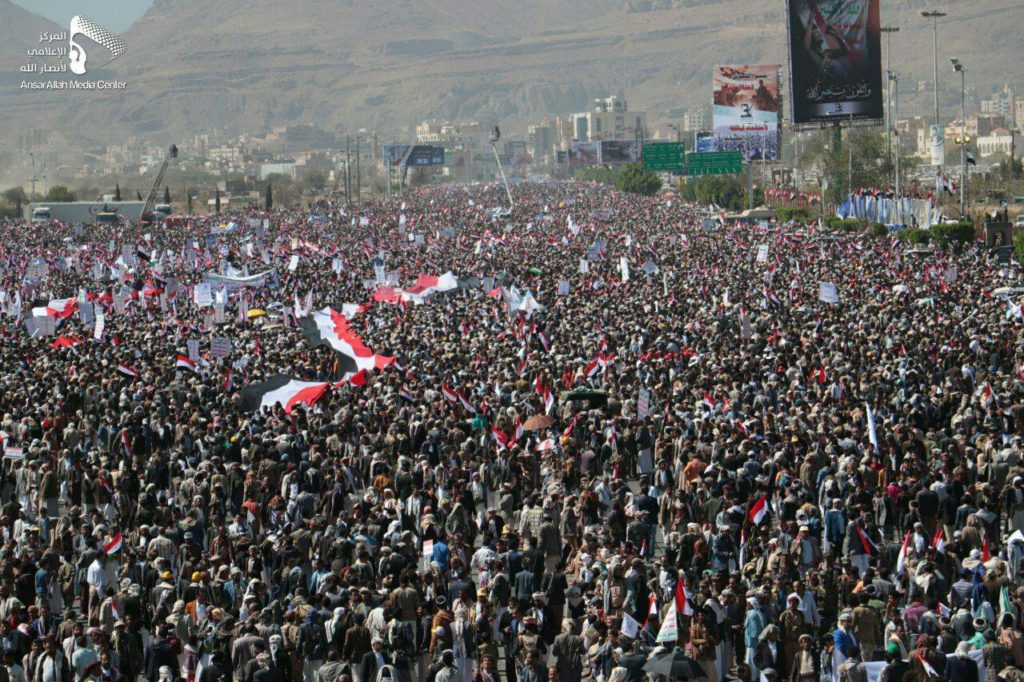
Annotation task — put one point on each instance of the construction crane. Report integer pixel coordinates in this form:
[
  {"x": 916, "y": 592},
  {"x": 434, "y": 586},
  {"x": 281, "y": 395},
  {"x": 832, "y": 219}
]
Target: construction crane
[{"x": 146, "y": 215}]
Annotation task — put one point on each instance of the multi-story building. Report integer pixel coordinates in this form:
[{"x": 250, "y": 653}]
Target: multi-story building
[
  {"x": 695, "y": 121},
  {"x": 610, "y": 120},
  {"x": 540, "y": 140},
  {"x": 1001, "y": 104},
  {"x": 999, "y": 141},
  {"x": 462, "y": 136}
]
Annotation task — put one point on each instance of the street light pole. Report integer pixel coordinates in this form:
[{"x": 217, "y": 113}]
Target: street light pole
[
  {"x": 962, "y": 70},
  {"x": 896, "y": 96},
  {"x": 888, "y": 31},
  {"x": 935, "y": 16}
]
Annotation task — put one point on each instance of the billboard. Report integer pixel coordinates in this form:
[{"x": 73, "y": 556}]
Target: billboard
[
  {"x": 413, "y": 155},
  {"x": 704, "y": 142},
  {"x": 582, "y": 153},
  {"x": 616, "y": 152},
  {"x": 746, "y": 110},
  {"x": 835, "y": 60},
  {"x": 937, "y": 145}
]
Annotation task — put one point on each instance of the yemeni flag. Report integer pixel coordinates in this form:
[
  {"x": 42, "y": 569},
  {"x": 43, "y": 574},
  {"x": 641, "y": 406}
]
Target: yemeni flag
[
  {"x": 283, "y": 389},
  {"x": 549, "y": 401},
  {"x": 759, "y": 510},
  {"x": 866, "y": 542},
  {"x": 65, "y": 342},
  {"x": 449, "y": 395},
  {"x": 652, "y": 608},
  {"x": 901, "y": 558},
  {"x": 405, "y": 395},
  {"x": 61, "y": 308},
  {"x": 927, "y": 667},
  {"x": 114, "y": 545},
  {"x": 518, "y": 432},
  {"x": 939, "y": 541},
  {"x": 466, "y": 405},
  {"x": 592, "y": 369},
  {"x": 127, "y": 371},
  {"x": 545, "y": 445},
  {"x": 683, "y": 607},
  {"x": 500, "y": 439},
  {"x": 330, "y": 327},
  {"x": 127, "y": 445},
  {"x": 184, "y": 362}
]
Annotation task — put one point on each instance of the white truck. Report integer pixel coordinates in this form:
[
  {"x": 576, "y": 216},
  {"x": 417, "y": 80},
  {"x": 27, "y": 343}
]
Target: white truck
[{"x": 81, "y": 211}]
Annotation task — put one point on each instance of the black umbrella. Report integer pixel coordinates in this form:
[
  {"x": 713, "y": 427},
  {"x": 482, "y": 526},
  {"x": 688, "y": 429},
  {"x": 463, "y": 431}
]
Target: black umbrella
[{"x": 676, "y": 664}]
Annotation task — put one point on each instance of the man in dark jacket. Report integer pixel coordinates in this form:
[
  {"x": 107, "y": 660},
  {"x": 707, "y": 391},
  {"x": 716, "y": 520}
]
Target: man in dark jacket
[
  {"x": 374, "y": 659},
  {"x": 160, "y": 653}
]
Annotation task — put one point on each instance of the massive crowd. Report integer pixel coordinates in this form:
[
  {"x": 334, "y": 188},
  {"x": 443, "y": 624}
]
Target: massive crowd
[{"x": 632, "y": 441}]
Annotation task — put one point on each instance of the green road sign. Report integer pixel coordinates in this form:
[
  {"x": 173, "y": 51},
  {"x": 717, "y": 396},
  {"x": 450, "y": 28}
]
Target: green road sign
[
  {"x": 714, "y": 163},
  {"x": 664, "y": 156}
]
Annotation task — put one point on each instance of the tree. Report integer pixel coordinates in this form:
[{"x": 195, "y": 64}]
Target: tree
[
  {"x": 59, "y": 193},
  {"x": 167, "y": 194},
  {"x": 138, "y": 195},
  {"x": 634, "y": 179},
  {"x": 314, "y": 181},
  {"x": 727, "y": 191},
  {"x": 829, "y": 156},
  {"x": 268, "y": 201},
  {"x": 117, "y": 192},
  {"x": 216, "y": 200}
]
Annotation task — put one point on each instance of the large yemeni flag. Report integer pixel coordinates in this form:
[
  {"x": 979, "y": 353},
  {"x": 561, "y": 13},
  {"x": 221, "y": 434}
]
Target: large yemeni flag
[
  {"x": 114, "y": 545},
  {"x": 683, "y": 607},
  {"x": 283, "y": 389},
  {"x": 330, "y": 327},
  {"x": 184, "y": 362},
  {"x": 759, "y": 510},
  {"x": 866, "y": 542},
  {"x": 428, "y": 284},
  {"x": 60, "y": 308},
  {"x": 901, "y": 558}
]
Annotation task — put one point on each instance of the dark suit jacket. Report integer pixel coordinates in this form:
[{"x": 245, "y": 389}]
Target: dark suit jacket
[
  {"x": 961, "y": 669},
  {"x": 370, "y": 665}
]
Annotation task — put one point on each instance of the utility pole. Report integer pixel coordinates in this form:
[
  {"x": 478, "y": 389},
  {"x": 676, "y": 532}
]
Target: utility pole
[
  {"x": 849, "y": 144},
  {"x": 962, "y": 70},
  {"x": 888, "y": 31},
  {"x": 935, "y": 16},
  {"x": 359, "y": 183},
  {"x": 33, "y": 157},
  {"x": 896, "y": 95},
  {"x": 348, "y": 171}
]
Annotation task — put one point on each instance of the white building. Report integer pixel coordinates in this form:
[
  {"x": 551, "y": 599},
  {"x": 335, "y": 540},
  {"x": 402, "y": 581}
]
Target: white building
[
  {"x": 999, "y": 141},
  {"x": 610, "y": 120}
]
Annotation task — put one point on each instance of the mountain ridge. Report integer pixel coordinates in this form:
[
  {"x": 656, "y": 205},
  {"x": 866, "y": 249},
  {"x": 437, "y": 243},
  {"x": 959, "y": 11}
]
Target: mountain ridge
[{"x": 244, "y": 66}]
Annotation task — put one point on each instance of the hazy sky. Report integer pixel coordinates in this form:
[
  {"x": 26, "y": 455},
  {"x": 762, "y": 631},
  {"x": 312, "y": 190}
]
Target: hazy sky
[{"x": 115, "y": 15}]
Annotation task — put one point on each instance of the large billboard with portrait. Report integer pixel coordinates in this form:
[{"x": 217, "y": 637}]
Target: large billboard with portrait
[
  {"x": 835, "y": 60},
  {"x": 746, "y": 110},
  {"x": 618, "y": 152},
  {"x": 583, "y": 153}
]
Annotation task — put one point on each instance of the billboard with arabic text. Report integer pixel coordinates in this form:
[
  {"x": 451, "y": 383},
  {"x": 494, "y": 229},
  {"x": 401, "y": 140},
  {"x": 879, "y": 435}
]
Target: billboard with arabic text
[
  {"x": 835, "y": 60},
  {"x": 746, "y": 110}
]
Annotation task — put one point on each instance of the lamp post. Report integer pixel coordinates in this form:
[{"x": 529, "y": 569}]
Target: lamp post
[
  {"x": 959, "y": 68},
  {"x": 895, "y": 80},
  {"x": 935, "y": 16},
  {"x": 888, "y": 31}
]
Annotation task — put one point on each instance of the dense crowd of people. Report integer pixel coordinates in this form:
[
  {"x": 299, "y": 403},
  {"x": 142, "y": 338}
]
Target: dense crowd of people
[{"x": 635, "y": 440}]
